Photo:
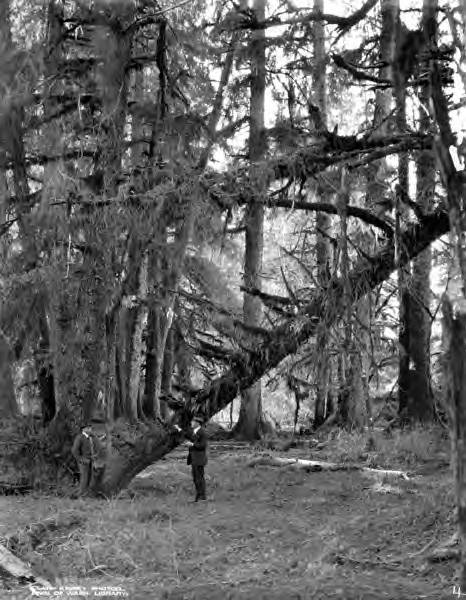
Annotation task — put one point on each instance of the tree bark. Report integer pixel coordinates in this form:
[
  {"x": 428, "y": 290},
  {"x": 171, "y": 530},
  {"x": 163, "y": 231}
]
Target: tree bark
[
  {"x": 377, "y": 189},
  {"x": 167, "y": 372},
  {"x": 454, "y": 314},
  {"x": 416, "y": 399},
  {"x": 44, "y": 368},
  {"x": 421, "y": 405},
  {"x": 84, "y": 312},
  {"x": 8, "y": 405},
  {"x": 158, "y": 257},
  {"x": 404, "y": 270},
  {"x": 250, "y": 414},
  {"x": 351, "y": 402},
  {"x": 323, "y": 225},
  {"x": 136, "y": 339}
]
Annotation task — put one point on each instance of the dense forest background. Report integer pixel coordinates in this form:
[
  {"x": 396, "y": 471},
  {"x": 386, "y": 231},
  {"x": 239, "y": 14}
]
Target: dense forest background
[{"x": 202, "y": 202}]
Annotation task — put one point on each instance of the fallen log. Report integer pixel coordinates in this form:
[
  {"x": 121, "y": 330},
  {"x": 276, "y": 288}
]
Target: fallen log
[
  {"x": 8, "y": 488},
  {"x": 318, "y": 465},
  {"x": 14, "y": 568},
  {"x": 449, "y": 549}
]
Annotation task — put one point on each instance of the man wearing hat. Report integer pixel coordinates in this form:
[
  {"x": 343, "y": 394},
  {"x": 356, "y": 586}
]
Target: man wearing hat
[
  {"x": 197, "y": 455},
  {"x": 89, "y": 450}
]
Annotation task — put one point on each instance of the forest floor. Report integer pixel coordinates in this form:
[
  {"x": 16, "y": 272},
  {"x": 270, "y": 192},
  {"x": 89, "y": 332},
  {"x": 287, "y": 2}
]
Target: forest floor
[{"x": 266, "y": 533}]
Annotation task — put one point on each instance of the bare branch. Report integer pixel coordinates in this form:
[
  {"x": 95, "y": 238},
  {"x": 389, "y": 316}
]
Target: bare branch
[
  {"x": 353, "y": 211},
  {"x": 357, "y": 73},
  {"x": 247, "y": 21}
]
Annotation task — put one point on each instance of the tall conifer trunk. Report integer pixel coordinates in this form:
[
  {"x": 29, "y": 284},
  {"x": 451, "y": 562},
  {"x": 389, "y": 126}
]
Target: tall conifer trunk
[
  {"x": 404, "y": 270},
  {"x": 8, "y": 404},
  {"x": 323, "y": 225},
  {"x": 86, "y": 354},
  {"x": 420, "y": 406},
  {"x": 250, "y": 415}
]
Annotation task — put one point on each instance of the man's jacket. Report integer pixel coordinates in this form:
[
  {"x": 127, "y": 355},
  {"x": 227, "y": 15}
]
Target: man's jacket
[
  {"x": 82, "y": 448},
  {"x": 198, "y": 451},
  {"x": 89, "y": 447}
]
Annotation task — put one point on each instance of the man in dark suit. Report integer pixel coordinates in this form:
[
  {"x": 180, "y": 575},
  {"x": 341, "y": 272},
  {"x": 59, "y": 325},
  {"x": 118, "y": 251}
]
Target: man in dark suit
[
  {"x": 82, "y": 452},
  {"x": 89, "y": 450},
  {"x": 197, "y": 455}
]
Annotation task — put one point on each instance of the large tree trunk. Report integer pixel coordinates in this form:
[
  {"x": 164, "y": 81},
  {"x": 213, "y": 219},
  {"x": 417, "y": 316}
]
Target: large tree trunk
[
  {"x": 454, "y": 308},
  {"x": 132, "y": 319},
  {"x": 133, "y": 313},
  {"x": 455, "y": 341},
  {"x": 44, "y": 368},
  {"x": 415, "y": 393},
  {"x": 404, "y": 270},
  {"x": 128, "y": 458},
  {"x": 84, "y": 314},
  {"x": 377, "y": 190},
  {"x": 167, "y": 372},
  {"x": 8, "y": 405},
  {"x": 350, "y": 410},
  {"x": 250, "y": 414},
  {"x": 52, "y": 188},
  {"x": 323, "y": 225},
  {"x": 136, "y": 339},
  {"x": 420, "y": 406}
]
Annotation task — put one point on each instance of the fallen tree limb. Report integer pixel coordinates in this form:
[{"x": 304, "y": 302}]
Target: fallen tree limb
[
  {"x": 18, "y": 570},
  {"x": 318, "y": 465}
]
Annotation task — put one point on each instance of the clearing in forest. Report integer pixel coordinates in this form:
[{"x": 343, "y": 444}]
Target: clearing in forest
[{"x": 265, "y": 533}]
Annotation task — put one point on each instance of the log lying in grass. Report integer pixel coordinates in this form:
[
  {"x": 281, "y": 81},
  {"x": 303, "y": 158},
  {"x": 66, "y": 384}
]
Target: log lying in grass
[
  {"x": 8, "y": 488},
  {"x": 16, "y": 569},
  {"x": 318, "y": 465},
  {"x": 450, "y": 549}
]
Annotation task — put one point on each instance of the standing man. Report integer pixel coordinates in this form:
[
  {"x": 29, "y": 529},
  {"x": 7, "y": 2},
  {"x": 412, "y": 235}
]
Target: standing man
[
  {"x": 197, "y": 455},
  {"x": 99, "y": 450},
  {"x": 82, "y": 452},
  {"x": 89, "y": 450}
]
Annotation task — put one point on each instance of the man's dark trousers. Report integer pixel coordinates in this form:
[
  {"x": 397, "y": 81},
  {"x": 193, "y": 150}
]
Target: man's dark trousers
[
  {"x": 199, "y": 481},
  {"x": 197, "y": 458},
  {"x": 85, "y": 469}
]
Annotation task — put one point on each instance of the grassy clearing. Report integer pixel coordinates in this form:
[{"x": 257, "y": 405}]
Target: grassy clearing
[
  {"x": 401, "y": 448},
  {"x": 265, "y": 533}
]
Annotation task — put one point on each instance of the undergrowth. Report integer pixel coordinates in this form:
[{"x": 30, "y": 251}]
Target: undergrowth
[{"x": 404, "y": 447}]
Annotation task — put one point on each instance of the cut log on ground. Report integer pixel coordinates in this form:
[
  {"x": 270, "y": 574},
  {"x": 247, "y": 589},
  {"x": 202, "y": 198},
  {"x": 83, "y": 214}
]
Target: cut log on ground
[
  {"x": 450, "y": 549},
  {"x": 318, "y": 465},
  {"x": 14, "y": 568}
]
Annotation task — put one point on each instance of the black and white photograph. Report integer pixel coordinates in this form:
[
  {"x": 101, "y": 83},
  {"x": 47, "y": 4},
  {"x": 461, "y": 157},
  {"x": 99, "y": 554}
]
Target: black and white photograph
[{"x": 233, "y": 299}]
